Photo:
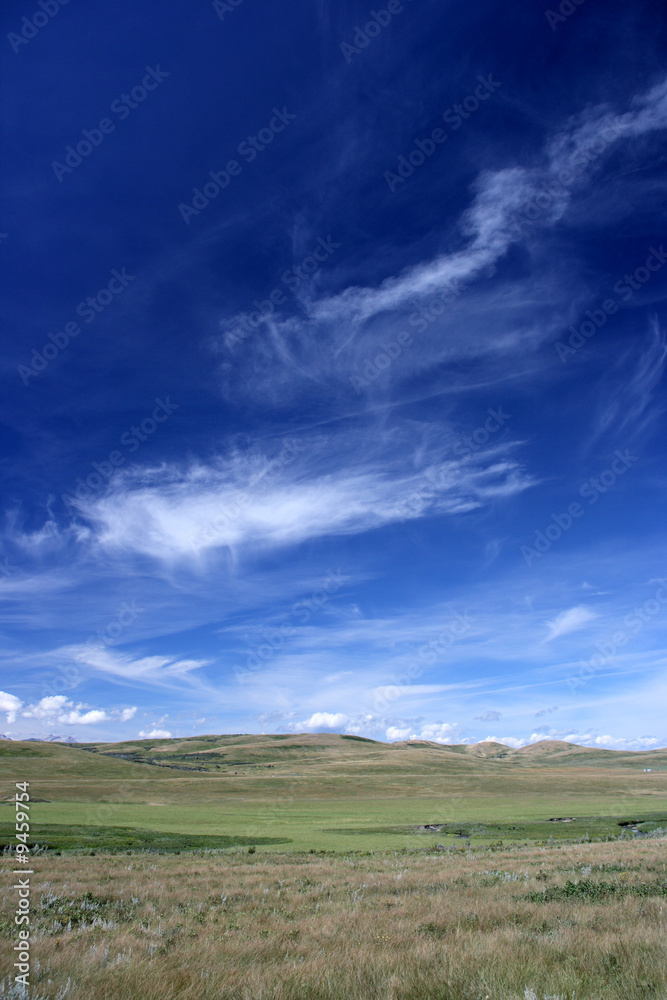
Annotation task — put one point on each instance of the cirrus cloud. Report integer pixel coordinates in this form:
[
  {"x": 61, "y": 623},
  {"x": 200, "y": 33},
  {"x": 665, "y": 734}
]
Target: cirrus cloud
[{"x": 569, "y": 621}]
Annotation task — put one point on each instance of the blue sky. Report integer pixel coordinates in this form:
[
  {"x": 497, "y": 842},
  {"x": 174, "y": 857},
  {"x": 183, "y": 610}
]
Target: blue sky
[{"x": 332, "y": 374}]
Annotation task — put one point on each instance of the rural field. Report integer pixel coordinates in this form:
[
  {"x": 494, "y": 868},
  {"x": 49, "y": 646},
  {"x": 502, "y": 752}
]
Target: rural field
[{"x": 327, "y": 867}]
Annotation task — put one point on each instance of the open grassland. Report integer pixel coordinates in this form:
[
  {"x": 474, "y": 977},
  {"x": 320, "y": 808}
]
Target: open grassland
[
  {"x": 329, "y": 867},
  {"x": 341, "y": 825},
  {"x": 327, "y": 792},
  {"x": 582, "y": 922}
]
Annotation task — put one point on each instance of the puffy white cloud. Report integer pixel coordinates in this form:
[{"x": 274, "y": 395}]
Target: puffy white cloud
[
  {"x": 46, "y": 707},
  {"x": 322, "y": 722},
  {"x": 639, "y": 743},
  {"x": 434, "y": 732},
  {"x": 605, "y": 742},
  {"x": 10, "y": 704},
  {"x": 398, "y": 733},
  {"x": 340, "y": 722},
  {"x": 440, "y": 732},
  {"x": 512, "y": 741},
  {"x": 59, "y": 709},
  {"x": 84, "y": 718},
  {"x": 375, "y": 727},
  {"x": 155, "y": 734}
]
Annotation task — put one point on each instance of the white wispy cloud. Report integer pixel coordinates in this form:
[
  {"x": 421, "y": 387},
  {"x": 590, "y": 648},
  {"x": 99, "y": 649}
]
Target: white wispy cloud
[
  {"x": 516, "y": 203},
  {"x": 338, "y": 486},
  {"x": 569, "y": 621},
  {"x": 628, "y": 399},
  {"x": 155, "y": 734},
  {"x": 168, "y": 671},
  {"x": 490, "y": 716},
  {"x": 578, "y": 148}
]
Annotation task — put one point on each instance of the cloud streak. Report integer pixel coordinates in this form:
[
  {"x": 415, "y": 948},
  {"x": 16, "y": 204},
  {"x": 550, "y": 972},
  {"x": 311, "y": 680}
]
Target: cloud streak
[
  {"x": 510, "y": 205},
  {"x": 339, "y": 487},
  {"x": 569, "y": 621}
]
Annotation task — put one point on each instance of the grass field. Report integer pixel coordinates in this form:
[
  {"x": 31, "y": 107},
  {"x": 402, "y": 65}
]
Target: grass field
[
  {"x": 380, "y": 824},
  {"x": 582, "y": 922},
  {"x": 328, "y": 792},
  {"x": 348, "y": 868}
]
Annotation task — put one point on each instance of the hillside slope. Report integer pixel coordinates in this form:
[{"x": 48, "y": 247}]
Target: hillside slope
[
  {"x": 223, "y": 752},
  {"x": 272, "y": 767}
]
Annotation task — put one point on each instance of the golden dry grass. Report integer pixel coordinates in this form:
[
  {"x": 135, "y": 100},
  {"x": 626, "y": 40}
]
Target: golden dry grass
[{"x": 414, "y": 926}]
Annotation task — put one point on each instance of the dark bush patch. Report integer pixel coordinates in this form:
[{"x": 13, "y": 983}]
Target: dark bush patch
[{"x": 594, "y": 892}]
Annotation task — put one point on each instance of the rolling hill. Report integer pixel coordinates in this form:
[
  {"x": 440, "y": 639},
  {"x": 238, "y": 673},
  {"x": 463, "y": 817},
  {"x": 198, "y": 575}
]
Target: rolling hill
[{"x": 317, "y": 790}]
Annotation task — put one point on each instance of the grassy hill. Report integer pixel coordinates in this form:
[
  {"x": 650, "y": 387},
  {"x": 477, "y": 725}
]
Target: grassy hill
[
  {"x": 221, "y": 753},
  {"x": 329, "y": 791}
]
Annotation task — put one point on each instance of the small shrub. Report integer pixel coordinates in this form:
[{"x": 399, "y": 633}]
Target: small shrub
[{"x": 591, "y": 891}]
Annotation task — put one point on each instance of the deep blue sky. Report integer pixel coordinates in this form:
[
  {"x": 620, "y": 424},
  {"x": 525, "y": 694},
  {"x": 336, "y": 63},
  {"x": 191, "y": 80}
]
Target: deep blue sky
[{"x": 363, "y": 401}]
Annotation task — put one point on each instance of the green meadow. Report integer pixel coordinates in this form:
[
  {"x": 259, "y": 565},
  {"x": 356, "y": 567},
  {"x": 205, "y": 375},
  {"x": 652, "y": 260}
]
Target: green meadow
[{"x": 327, "y": 793}]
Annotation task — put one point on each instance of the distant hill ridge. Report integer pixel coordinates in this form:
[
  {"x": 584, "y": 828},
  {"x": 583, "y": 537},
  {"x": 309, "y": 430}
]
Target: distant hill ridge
[
  {"x": 284, "y": 767},
  {"x": 484, "y": 748},
  {"x": 229, "y": 754}
]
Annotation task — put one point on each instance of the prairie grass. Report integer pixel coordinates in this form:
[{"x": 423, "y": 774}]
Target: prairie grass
[{"x": 416, "y": 925}]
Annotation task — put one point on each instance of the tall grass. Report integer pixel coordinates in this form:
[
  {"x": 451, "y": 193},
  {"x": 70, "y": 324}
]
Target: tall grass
[{"x": 428, "y": 925}]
